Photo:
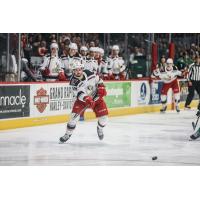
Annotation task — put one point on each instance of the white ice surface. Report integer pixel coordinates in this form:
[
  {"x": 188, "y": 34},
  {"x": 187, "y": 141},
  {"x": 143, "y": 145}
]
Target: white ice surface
[{"x": 129, "y": 140}]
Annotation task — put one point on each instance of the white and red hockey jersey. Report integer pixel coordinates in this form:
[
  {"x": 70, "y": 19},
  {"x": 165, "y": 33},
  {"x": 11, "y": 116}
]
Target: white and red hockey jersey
[
  {"x": 91, "y": 64},
  {"x": 68, "y": 62},
  {"x": 52, "y": 66},
  {"x": 116, "y": 65},
  {"x": 166, "y": 75},
  {"x": 86, "y": 86}
]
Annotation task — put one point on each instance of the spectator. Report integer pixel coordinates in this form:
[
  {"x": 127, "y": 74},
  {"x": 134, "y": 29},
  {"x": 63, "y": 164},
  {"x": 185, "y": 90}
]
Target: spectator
[
  {"x": 180, "y": 63},
  {"x": 28, "y": 73},
  {"x": 65, "y": 51},
  {"x": 135, "y": 52},
  {"x": 42, "y": 50},
  {"x": 37, "y": 41},
  {"x": 28, "y": 49},
  {"x": 162, "y": 64},
  {"x": 187, "y": 59},
  {"x": 92, "y": 44}
]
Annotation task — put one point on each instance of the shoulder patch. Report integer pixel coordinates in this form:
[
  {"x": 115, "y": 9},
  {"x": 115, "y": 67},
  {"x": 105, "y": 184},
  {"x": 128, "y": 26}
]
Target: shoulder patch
[
  {"x": 88, "y": 72},
  {"x": 74, "y": 81}
]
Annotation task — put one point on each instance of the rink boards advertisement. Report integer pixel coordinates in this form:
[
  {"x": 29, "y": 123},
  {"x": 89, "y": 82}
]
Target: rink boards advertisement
[
  {"x": 140, "y": 93},
  {"x": 32, "y": 104},
  {"x": 118, "y": 94},
  {"x": 51, "y": 99},
  {"x": 155, "y": 94},
  {"x": 14, "y": 101}
]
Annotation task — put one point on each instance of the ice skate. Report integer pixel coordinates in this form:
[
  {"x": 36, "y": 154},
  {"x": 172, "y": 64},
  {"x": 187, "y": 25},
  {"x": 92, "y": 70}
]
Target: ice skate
[
  {"x": 187, "y": 108},
  {"x": 163, "y": 109},
  {"x": 64, "y": 138},
  {"x": 100, "y": 133},
  {"x": 195, "y": 135},
  {"x": 177, "y": 109}
]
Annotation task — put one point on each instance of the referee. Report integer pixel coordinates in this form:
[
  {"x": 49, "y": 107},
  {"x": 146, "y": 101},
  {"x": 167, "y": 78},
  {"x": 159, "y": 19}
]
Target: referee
[{"x": 194, "y": 76}]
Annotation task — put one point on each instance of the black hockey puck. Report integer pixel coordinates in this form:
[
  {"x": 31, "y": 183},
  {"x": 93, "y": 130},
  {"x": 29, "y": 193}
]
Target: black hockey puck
[{"x": 154, "y": 158}]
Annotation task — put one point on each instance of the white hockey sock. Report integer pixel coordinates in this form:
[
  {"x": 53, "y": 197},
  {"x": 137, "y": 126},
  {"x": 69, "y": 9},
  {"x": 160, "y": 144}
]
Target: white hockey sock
[
  {"x": 177, "y": 99},
  {"x": 102, "y": 121}
]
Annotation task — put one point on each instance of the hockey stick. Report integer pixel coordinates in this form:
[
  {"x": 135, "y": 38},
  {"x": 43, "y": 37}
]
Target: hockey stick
[
  {"x": 78, "y": 114},
  {"x": 194, "y": 125},
  {"x": 87, "y": 106}
]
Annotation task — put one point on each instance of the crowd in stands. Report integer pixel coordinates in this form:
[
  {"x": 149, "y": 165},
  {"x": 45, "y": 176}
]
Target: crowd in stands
[
  {"x": 93, "y": 48},
  {"x": 69, "y": 48}
]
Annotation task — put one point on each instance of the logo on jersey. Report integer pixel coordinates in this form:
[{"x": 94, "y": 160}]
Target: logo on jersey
[{"x": 41, "y": 100}]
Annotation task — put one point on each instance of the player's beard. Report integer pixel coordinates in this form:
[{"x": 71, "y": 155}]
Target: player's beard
[{"x": 79, "y": 77}]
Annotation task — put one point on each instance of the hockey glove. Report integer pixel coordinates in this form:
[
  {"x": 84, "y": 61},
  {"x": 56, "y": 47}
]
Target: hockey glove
[
  {"x": 89, "y": 101},
  {"x": 61, "y": 76},
  {"x": 46, "y": 71}
]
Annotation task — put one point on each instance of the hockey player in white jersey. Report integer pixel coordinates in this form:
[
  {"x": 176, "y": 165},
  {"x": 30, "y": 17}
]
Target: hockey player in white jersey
[
  {"x": 52, "y": 68},
  {"x": 116, "y": 65},
  {"x": 91, "y": 64},
  {"x": 89, "y": 91},
  {"x": 83, "y": 52},
  {"x": 69, "y": 60},
  {"x": 169, "y": 77},
  {"x": 103, "y": 67}
]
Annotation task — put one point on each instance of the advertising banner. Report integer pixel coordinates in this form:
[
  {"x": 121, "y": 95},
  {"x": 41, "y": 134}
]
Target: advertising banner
[
  {"x": 51, "y": 99},
  {"x": 118, "y": 94},
  {"x": 14, "y": 101},
  {"x": 156, "y": 87},
  {"x": 140, "y": 93}
]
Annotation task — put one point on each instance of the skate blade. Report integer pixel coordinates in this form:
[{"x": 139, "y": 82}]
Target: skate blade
[
  {"x": 61, "y": 142},
  {"x": 196, "y": 140},
  {"x": 193, "y": 125},
  {"x": 101, "y": 137}
]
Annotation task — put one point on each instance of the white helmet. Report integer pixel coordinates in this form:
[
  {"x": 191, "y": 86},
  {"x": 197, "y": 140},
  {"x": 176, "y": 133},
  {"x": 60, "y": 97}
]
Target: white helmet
[
  {"x": 83, "y": 48},
  {"x": 77, "y": 65},
  {"x": 73, "y": 46},
  {"x": 101, "y": 51},
  {"x": 54, "y": 46},
  {"x": 93, "y": 49},
  {"x": 169, "y": 66},
  {"x": 97, "y": 49},
  {"x": 115, "y": 47},
  {"x": 169, "y": 61}
]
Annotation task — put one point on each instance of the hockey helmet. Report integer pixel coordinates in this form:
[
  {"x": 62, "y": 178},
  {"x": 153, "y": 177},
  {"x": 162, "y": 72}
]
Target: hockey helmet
[
  {"x": 115, "y": 47},
  {"x": 77, "y": 65},
  {"x": 101, "y": 51},
  {"x": 83, "y": 48},
  {"x": 73, "y": 46},
  {"x": 92, "y": 49},
  {"x": 54, "y": 46},
  {"x": 169, "y": 61}
]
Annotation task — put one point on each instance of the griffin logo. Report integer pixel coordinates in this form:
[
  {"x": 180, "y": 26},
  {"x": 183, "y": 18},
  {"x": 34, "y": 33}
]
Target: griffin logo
[{"x": 41, "y": 100}]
